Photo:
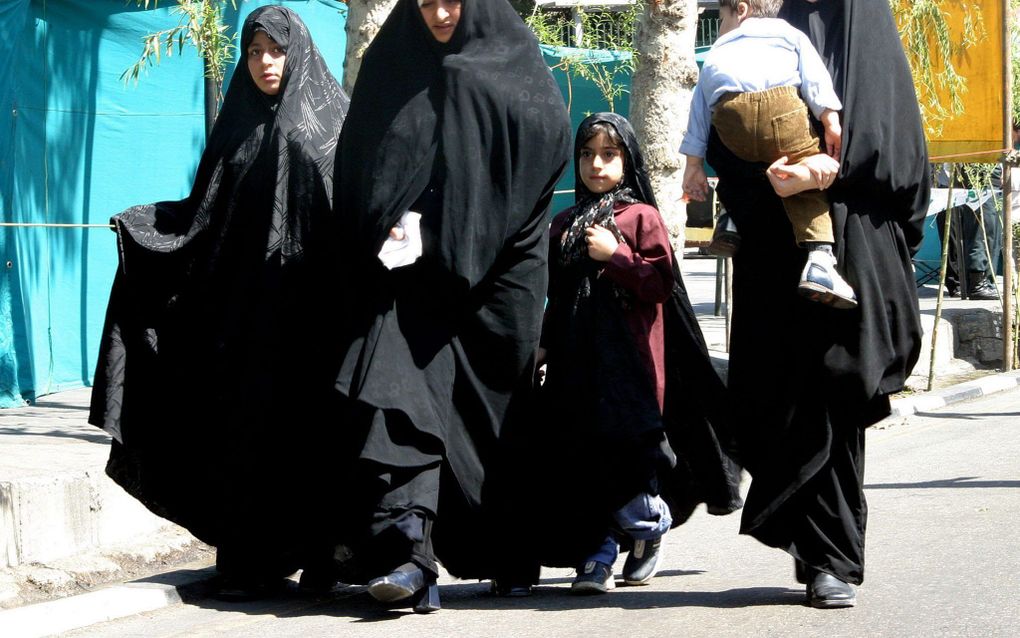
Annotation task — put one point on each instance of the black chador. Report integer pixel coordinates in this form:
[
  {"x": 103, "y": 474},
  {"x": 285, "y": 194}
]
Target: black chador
[
  {"x": 806, "y": 380},
  {"x": 214, "y": 363},
  {"x": 473, "y": 135}
]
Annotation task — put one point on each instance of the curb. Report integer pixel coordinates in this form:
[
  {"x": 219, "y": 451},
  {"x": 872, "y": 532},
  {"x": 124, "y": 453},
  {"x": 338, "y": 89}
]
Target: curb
[
  {"x": 108, "y": 603},
  {"x": 936, "y": 399}
]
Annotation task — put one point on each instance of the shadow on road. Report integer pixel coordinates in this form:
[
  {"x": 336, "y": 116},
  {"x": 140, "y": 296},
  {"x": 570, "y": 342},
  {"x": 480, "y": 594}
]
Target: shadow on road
[{"x": 354, "y": 603}]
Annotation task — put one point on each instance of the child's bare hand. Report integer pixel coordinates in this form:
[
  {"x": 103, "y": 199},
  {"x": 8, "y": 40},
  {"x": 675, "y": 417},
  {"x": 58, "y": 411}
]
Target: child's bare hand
[
  {"x": 695, "y": 180},
  {"x": 397, "y": 233},
  {"x": 833, "y": 133},
  {"x": 601, "y": 243}
]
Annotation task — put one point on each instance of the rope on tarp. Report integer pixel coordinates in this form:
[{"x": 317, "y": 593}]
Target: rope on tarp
[{"x": 52, "y": 225}]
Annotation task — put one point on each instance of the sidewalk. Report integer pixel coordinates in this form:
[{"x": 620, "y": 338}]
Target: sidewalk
[{"x": 66, "y": 528}]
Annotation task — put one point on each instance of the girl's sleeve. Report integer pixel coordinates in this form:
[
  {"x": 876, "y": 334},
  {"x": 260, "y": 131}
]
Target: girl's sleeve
[{"x": 643, "y": 264}]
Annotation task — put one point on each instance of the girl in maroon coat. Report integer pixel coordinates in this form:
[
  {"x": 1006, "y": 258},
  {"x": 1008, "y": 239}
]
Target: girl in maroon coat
[{"x": 611, "y": 270}]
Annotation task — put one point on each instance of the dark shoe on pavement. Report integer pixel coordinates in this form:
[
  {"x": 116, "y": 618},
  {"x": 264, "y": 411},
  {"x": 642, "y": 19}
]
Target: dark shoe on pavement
[
  {"x": 725, "y": 238},
  {"x": 595, "y": 577},
  {"x": 319, "y": 579},
  {"x": 981, "y": 289},
  {"x": 642, "y": 562},
  {"x": 825, "y": 591},
  {"x": 407, "y": 582},
  {"x": 509, "y": 589}
]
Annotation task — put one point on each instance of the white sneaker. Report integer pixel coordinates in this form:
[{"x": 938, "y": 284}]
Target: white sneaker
[{"x": 820, "y": 282}]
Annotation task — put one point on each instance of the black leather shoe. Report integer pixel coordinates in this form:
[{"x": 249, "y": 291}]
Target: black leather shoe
[
  {"x": 983, "y": 291},
  {"x": 319, "y": 579},
  {"x": 825, "y": 591},
  {"x": 407, "y": 582},
  {"x": 509, "y": 589},
  {"x": 725, "y": 238}
]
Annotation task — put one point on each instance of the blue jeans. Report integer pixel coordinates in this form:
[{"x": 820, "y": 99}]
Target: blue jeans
[{"x": 645, "y": 517}]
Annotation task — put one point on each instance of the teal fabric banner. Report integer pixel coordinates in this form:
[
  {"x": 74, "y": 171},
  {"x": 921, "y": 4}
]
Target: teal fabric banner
[{"x": 78, "y": 145}]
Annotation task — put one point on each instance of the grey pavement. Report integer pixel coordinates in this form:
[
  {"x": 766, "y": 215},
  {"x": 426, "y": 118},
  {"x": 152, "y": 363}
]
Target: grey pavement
[
  {"x": 943, "y": 560},
  {"x": 66, "y": 529}
]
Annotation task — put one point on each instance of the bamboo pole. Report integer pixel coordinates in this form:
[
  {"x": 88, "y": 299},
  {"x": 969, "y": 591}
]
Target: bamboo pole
[
  {"x": 1008, "y": 316},
  {"x": 942, "y": 276}
]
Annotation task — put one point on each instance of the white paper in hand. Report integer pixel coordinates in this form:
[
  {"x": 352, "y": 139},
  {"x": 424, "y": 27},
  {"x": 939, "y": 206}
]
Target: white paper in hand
[{"x": 403, "y": 252}]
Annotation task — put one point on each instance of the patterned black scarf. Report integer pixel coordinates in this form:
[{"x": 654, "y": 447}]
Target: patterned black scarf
[{"x": 592, "y": 211}]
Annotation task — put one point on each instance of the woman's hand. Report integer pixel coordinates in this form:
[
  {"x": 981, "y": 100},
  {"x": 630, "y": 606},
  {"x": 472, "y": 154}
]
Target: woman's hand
[
  {"x": 815, "y": 172},
  {"x": 601, "y": 243},
  {"x": 540, "y": 366}
]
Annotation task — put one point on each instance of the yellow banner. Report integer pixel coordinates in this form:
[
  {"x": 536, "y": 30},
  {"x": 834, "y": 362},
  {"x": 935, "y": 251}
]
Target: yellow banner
[{"x": 979, "y": 133}]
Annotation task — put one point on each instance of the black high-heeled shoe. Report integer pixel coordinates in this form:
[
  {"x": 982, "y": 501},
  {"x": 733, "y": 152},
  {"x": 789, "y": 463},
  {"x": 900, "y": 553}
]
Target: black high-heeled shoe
[{"x": 407, "y": 582}]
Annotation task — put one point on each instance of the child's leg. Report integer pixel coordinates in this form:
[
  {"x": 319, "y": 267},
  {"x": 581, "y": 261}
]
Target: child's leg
[
  {"x": 595, "y": 575},
  {"x": 812, "y": 228},
  {"x": 809, "y": 215},
  {"x": 644, "y": 519}
]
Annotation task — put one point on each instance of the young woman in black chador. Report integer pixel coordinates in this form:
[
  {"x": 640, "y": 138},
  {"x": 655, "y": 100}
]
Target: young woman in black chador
[
  {"x": 214, "y": 364},
  {"x": 803, "y": 428},
  {"x": 456, "y": 137},
  {"x": 623, "y": 442}
]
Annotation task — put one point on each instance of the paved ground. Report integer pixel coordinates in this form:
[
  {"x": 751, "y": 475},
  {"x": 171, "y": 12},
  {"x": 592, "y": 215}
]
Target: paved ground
[
  {"x": 939, "y": 565},
  {"x": 944, "y": 559}
]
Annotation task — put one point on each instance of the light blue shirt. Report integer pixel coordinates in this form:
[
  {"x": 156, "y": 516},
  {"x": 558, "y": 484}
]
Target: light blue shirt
[{"x": 762, "y": 53}]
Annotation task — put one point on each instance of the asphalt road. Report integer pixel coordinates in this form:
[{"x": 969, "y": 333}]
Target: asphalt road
[{"x": 943, "y": 560}]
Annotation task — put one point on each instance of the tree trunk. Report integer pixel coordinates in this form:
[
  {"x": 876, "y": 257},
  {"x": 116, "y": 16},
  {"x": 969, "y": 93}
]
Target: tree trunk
[
  {"x": 364, "y": 18},
  {"x": 660, "y": 100}
]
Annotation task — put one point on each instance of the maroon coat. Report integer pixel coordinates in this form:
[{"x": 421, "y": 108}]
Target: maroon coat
[{"x": 643, "y": 266}]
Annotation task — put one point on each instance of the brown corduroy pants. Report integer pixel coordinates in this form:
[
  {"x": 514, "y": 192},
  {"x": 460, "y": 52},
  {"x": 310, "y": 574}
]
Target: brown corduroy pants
[{"x": 762, "y": 126}]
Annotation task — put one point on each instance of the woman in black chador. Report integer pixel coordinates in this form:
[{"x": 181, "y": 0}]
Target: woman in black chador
[
  {"x": 215, "y": 363},
  {"x": 806, "y": 380},
  {"x": 456, "y": 136}
]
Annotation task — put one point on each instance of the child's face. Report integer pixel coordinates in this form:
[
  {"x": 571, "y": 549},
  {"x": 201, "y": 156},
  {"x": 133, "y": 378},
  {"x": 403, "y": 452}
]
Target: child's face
[{"x": 601, "y": 164}]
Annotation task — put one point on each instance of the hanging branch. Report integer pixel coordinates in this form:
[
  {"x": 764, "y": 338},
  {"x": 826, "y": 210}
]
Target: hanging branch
[
  {"x": 599, "y": 30},
  {"x": 200, "y": 25},
  {"x": 930, "y": 49}
]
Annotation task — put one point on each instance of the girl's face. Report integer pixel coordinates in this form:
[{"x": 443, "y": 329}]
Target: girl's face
[
  {"x": 441, "y": 17},
  {"x": 601, "y": 164},
  {"x": 265, "y": 63}
]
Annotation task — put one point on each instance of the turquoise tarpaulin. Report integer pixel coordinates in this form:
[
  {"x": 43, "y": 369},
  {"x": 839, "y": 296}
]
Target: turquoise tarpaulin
[
  {"x": 78, "y": 145},
  {"x": 586, "y": 98}
]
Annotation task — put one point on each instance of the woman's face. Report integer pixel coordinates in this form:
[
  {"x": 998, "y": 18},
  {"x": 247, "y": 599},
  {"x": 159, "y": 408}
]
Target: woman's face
[
  {"x": 442, "y": 17},
  {"x": 265, "y": 63},
  {"x": 601, "y": 164}
]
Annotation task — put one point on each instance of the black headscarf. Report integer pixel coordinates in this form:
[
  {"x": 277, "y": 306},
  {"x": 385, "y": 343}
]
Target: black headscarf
[
  {"x": 481, "y": 110},
  {"x": 591, "y": 209},
  {"x": 217, "y": 328}
]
